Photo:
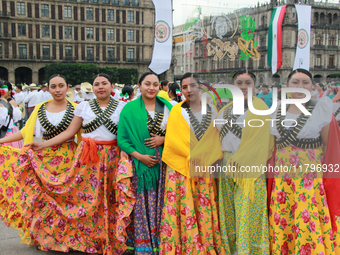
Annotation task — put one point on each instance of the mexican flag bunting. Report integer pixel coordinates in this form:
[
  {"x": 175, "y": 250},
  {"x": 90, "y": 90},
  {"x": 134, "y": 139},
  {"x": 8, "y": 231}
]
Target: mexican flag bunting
[{"x": 275, "y": 38}]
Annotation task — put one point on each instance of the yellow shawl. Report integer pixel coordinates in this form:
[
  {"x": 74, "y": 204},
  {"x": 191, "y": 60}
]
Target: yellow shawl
[
  {"x": 255, "y": 149},
  {"x": 182, "y": 149},
  {"x": 28, "y": 131}
]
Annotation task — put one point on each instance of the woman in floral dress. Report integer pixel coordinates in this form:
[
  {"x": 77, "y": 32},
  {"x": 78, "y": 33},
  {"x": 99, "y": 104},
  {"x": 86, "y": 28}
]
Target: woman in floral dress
[
  {"x": 85, "y": 208},
  {"x": 57, "y": 112},
  {"x": 242, "y": 199},
  {"x": 190, "y": 213},
  {"x": 141, "y": 134},
  {"x": 299, "y": 215}
]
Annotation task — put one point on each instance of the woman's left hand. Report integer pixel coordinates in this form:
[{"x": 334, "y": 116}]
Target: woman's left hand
[
  {"x": 154, "y": 141},
  {"x": 123, "y": 154}
]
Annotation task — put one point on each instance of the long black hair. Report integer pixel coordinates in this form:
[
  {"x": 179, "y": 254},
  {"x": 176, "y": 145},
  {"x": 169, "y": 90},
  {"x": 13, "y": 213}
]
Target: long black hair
[
  {"x": 10, "y": 87},
  {"x": 141, "y": 79},
  {"x": 187, "y": 75},
  {"x": 172, "y": 88},
  {"x": 56, "y": 75},
  {"x": 300, "y": 70},
  {"x": 243, "y": 71},
  {"x": 102, "y": 75}
]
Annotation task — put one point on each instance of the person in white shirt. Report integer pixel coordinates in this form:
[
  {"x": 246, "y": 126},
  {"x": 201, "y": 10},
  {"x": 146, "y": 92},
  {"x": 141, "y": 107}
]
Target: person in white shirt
[
  {"x": 89, "y": 96},
  {"x": 19, "y": 95},
  {"x": 45, "y": 95},
  {"x": 79, "y": 95},
  {"x": 33, "y": 98}
]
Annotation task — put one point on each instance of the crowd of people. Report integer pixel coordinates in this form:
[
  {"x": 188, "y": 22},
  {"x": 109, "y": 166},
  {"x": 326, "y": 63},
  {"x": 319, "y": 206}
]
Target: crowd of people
[{"x": 115, "y": 172}]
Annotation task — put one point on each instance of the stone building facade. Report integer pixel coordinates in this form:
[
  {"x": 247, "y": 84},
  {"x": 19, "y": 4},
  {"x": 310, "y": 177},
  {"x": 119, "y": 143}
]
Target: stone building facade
[
  {"x": 106, "y": 32},
  {"x": 324, "y": 42}
]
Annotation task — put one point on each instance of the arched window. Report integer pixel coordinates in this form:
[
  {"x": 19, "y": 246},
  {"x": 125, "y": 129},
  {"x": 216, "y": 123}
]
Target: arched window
[
  {"x": 316, "y": 17},
  {"x": 335, "y": 18},
  {"x": 322, "y": 18},
  {"x": 329, "y": 18}
]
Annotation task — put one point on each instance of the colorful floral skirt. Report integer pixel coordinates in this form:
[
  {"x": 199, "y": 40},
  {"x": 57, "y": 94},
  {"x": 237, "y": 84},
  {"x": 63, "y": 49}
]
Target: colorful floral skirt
[
  {"x": 10, "y": 192},
  {"x": 299, "y": 216},
  {"x": 17, "y": 144},
  {"x": 144, "y": 237},
  {"x": 76, "y": 206},
  {"x": 243, "y": 223},
  {"x": 190, "y": 216}
]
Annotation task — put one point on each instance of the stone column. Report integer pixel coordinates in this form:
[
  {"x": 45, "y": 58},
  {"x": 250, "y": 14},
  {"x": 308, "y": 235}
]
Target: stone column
[
  {"x": 35, "y": 77},
  {"x": 11, "y": 76}
]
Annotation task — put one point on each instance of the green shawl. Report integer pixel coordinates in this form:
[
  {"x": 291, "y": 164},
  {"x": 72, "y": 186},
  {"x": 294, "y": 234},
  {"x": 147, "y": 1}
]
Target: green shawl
[{"x": 132, "y": 131}]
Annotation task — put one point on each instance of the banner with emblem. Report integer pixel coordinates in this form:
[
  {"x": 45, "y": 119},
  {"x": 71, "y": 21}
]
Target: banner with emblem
[
  {"x": 302, "y": 56},
  {"x": 162, "y": 50}
]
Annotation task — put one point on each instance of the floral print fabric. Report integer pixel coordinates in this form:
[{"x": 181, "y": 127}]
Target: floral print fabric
[
  {"x": 299, "y": 216},
  {"x": 190, "y": 216},
  {"x": 244, "y": 223},
  {"x": 76, "y": 206}
]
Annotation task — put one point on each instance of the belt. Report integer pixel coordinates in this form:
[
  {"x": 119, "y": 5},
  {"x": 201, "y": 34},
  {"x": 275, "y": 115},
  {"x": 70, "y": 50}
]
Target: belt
[
  {"x": 32, "y": 107},
  {"x": 90, "y": 152}
]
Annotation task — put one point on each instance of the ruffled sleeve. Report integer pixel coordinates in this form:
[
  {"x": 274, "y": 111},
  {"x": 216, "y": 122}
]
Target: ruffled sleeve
[
  {"x": 322, "y": 114},
  {"x": 3, "y": 116},
  {"x": 16, "y": 114},
  {"x": 79, "y": 111}
]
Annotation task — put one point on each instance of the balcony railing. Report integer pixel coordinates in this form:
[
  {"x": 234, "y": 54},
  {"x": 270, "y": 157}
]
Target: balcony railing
[
  {"x": 331, "y": 67},
  {"x": 132, "y": 60},
  {"x": 332, "y": 47},
  {"x": 112, "y": 60},
  {"x": 318, "y": 67},
  {"x": 135, "y": 3},
  {"x": 4, "y": 15},
  {"x": 4, "y": 36},
  {"x": 319, "y": 46}
]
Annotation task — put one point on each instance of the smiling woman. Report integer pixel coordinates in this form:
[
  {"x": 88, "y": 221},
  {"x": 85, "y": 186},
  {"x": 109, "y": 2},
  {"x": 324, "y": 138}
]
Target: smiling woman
[
  {"x": 141, "y": 134},
  {"x": 74, "y": 195},
  {"x": 47, "y": 121}
]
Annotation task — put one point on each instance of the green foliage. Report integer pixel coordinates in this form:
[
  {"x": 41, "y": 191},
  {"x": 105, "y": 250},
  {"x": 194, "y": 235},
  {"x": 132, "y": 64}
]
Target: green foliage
[
  {"x": 128, "y": 75},
  {"x": 77, "y": 73},
  {"x": 334, "y": 75}
]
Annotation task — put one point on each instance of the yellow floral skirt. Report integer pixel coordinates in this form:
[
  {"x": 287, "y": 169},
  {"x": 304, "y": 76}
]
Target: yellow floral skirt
[{"x": 299, "y": 216}]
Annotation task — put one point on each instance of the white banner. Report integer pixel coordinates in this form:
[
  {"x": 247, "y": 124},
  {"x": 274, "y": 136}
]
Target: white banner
[
  {"x": 162, "y": 49},
  {"x": 302, "y": 57}
]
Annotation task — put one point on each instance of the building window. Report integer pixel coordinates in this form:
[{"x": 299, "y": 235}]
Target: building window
[
  {"x": 131, "y": 54},
  {"x": 332, "y": 41},
  {"x": 68, "y": 32},
  {"x": 89, "y": 13},
  {"x": 110, "y": 15},
  {"x": 318, "y": 60},
  {"x": 131, "y": 35},
  {"x": 318, "y": 40},
  {"x": 110, "y": 53},
  {"x": 94, "y": 1},
  {"x": 105, "y": 1},
  {"x": 131, "y": 17},
  {"x": 46, "y": 52},
  {"x": 135, "y": 3},
  {"x": 68, "y": 12},
  {"x": 126, "y": 2},
  {"x": 22, "y": 51},
  {"x": 68, "y": 52},
  {"x": 115, "y": 2},
  {"x": 21, "y": 8},
  {"x": 0, "y": 50},
  {"x": 331, "y": 60},
  {"x": 90, "y": 54},
  {"x": 45, "y": 30},
  {"x": 84, "y": 1},
  {"x": 21, "y": 29},
  {"x": 110, "y": 33},
  {"x": 89, "y": 32},
  {"x": 45, "y": 10},
  {"x": 263, "y": 41}
]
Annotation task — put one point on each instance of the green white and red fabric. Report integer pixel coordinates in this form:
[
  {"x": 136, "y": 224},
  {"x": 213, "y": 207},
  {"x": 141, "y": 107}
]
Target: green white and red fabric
[{"x": 275, "y": 38}]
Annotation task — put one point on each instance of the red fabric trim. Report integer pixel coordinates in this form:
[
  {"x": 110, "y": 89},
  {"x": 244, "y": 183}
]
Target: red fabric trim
[{"x": 332, "y": 179}]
